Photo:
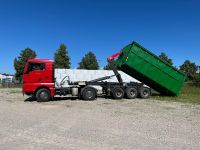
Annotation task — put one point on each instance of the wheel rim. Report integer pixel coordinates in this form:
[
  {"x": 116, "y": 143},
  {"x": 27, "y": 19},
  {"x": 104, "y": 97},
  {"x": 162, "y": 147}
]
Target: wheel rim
[
  {"x": 132, "y": 93},
  {"x": 118, "y": 93},
  {"x": 89, "y": 94},
  {"x": 44, "y": 95},
  {"x": 145, "y": 93}
]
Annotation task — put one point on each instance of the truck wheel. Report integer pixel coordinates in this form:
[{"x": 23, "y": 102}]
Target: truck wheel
[
  {"x": 131, "y": 93},
  {"x": 89, "y": 93},
  {"x": 118, "y": 93},
  {"x": 43, "y": 95},
  {"x": 145, "y": 92}
]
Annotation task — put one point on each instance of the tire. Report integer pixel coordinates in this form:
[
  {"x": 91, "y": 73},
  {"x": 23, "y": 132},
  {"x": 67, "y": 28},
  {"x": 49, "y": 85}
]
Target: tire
[
  {"x": 145, "y": 92},
  {"x": 89, "y": 94},
  {"x": 118, "y": 93},
  {"x": 131, "y": 93},
  {"x": 43, "y": 95}
]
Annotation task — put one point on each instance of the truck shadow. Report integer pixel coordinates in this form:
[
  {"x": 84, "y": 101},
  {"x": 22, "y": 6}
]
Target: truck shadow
[
  {"x": 64, "y": 98},
  {"x": 33, "y": 99},
  {"x": 30, "y": 99}
]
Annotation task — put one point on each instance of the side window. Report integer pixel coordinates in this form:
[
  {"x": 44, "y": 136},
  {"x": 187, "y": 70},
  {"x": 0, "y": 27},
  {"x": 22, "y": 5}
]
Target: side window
[{"x": 36, "y": 66}]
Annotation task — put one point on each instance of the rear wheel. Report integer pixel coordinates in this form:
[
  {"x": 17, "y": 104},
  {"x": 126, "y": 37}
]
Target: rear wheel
[
  {"x": 89, "y": 93},
  {"x": 118, "y": 93},
  {"x": 43, "y": 95},
  {"x": 145, "y": 92},
  {"x": 131, "y": 93}
]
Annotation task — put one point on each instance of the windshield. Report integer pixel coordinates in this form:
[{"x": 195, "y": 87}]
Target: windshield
[{"x": 34, "y": 66}]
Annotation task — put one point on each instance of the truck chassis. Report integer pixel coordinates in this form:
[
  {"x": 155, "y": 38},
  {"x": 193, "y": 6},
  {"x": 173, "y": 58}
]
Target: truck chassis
[
  {"x": 39, "y": 81},
  {"x": 86, "y": 89}
]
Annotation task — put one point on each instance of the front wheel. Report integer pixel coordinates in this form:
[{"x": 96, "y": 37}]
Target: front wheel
[{"x": 43, "y": 95}]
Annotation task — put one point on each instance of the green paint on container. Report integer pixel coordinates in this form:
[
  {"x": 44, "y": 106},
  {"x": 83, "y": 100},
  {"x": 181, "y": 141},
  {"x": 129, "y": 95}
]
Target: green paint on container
[{"x": 148, "y": 68}]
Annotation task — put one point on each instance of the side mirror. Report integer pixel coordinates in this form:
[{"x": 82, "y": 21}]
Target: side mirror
[{"x": 27, "y": 72}]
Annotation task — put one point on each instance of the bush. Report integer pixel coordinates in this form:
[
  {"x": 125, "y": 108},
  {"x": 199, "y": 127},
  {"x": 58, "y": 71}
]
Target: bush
[{"x": 197, "y": 80}]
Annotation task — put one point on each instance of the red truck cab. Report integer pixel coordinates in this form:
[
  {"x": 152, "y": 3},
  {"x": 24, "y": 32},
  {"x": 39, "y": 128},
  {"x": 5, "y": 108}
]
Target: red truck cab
[{"x": 39, "y": 74}]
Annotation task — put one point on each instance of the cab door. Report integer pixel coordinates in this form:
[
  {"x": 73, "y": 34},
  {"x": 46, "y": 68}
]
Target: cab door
[{"x": 35, "y": 73}]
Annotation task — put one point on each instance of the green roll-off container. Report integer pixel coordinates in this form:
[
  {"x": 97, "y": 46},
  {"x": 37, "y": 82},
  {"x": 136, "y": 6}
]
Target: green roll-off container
[{"x": 149, "y": 69}]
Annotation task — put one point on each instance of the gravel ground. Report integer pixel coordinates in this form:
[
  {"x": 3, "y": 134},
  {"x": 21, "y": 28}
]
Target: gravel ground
[{"x": 102, "y": 124}]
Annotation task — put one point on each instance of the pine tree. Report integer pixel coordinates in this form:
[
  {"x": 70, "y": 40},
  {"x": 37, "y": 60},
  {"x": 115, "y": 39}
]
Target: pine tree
[
  {"x": 165, "y": 58},
  {"x": 19, "y": 63},
  {"x": 89, "y": 62},
  {"x": 61, "y": 57}
]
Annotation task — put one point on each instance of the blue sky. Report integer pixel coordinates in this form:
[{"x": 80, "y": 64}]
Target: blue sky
[{"x": 103, "y": 26}]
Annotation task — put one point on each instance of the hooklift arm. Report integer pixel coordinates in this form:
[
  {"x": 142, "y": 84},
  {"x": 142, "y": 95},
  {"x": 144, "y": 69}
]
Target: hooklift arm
[{"x": 113, "y": 67}]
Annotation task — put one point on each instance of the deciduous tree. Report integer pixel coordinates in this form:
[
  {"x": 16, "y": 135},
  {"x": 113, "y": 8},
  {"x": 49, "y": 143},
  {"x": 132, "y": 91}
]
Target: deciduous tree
[
  {"x": 165, "y": 58},
  {"x": 108, "y": 66},
  {"x": 189, "y": 68}
]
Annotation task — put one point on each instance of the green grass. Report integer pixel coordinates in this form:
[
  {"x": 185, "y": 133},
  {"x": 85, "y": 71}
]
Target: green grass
[{"x": 190, "y": 93}]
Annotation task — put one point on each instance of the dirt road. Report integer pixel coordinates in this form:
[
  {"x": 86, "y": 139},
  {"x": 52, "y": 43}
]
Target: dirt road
[{"x": 102, "y": 124}]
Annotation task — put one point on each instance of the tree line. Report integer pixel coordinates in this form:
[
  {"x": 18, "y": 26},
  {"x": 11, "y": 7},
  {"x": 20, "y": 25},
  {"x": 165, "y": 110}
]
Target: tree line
[
  {"x": 89, "y": 61},
  {"x": 61, "y": 60}
]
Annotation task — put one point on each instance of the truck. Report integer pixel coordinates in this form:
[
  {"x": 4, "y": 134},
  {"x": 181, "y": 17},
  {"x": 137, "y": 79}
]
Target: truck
[{"x": 39, "y": 78}]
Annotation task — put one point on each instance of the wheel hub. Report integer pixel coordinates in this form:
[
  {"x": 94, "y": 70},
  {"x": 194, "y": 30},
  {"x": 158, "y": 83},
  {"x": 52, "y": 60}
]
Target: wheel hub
[
  {"x": 145, "y": 93},
  {"x": 132, "y": 93},
  {"x": 43, "y": 95},
  {"x": 119, "y": 94},
  {"x": 89, "y": 94}
]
